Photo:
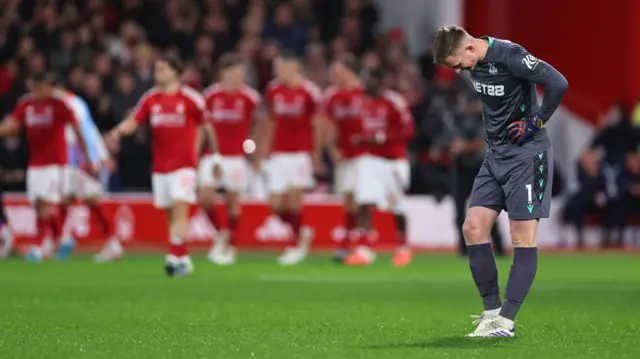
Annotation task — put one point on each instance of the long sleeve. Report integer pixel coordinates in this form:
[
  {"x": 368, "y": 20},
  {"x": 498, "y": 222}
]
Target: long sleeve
[{"x": 528, "y": 67}]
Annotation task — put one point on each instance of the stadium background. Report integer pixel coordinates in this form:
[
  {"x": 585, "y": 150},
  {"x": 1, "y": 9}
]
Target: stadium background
[{"x": 105, "y": 51}]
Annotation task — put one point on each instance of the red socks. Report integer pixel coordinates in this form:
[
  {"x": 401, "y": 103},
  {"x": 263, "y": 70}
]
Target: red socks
[
  {"x": 351, "y": 224},
  {"x": 233, "y": 228},
  {"x": 103, "y": 222}
]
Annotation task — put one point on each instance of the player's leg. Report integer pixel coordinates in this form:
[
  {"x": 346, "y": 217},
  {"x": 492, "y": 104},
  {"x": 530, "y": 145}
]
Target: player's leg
[
  {"x": 182, "y": 194},
  {"x": 528, "y": 198},
  {"x": 43, "y": 188},
  {"x": 345, "y": 177},
  {"x": 370, "y": 192},
  {"x": 70, "y": 183},
  {"x": 235, "y": 178},
  {"x": 300, "y": 178},
  {"x": 112, "y": 249},
  {"x": 399, "y": 183},
  {"x": 6, "y": 236},
  {"x": 486, "y": 202}
]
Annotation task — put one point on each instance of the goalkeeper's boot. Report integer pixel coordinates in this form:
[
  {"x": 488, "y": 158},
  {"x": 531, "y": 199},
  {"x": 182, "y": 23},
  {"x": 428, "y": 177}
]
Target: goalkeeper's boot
[{"x": 483, "y": 320}]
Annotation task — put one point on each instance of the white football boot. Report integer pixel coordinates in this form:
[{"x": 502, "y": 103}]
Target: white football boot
[
  {"x": 482, "y": 321},
  {"x": 112, "y": 251},
  {"x": 498, "y": 327},
  {"x": 297, "y": 254},
  {"x": 178, "y": 266}
]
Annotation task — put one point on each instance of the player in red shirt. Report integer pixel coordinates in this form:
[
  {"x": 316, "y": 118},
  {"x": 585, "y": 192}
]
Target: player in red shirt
[
  {"x": 343, "y": 105},
  {"x": 382, "y": 179},
  {"x": 294, "y": 143},
  {"x": 44, "y": 114},
  {"x": 232, "y": 107},
  {"x": 175, "y": 113}
]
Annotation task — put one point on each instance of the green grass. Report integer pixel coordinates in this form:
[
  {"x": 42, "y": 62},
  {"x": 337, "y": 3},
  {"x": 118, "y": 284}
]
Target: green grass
[{"x": 582, "y": 306}]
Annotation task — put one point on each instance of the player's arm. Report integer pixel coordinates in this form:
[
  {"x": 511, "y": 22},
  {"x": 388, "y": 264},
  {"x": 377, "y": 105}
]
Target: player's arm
[
  {"x": 130, "y": 124},
  {"x": 331, "y": 139},
  {"x": 70, "y": 116},
  {"x": 318, "y": 137},
  {"x": 10, "y": 126},
  {"x": 265, "y": 129},
  {"x": 209, "y": 135},
  {"x": 526, "y": 66}
]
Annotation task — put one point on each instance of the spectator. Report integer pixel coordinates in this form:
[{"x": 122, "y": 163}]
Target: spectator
[
  {"x": 316, "y": 65},
  {"x": 125, "y": 95},
  {"x": 629, "y": 192},
  {"x": 616, "y": 137},
  {"x": 284, "y": 28},
  {"x": 591, "y": 198}
]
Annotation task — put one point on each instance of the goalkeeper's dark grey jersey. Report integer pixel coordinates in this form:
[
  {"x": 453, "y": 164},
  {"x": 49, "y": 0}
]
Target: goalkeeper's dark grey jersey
[{"x": 505, "y": 80}]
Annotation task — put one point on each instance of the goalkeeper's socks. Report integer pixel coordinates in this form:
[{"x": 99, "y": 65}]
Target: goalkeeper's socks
[
  {"x": 521, "y": 276},
  {"x": 485, "y": 274}
]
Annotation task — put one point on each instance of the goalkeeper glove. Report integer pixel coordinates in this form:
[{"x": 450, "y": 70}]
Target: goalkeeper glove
[{"x": 522, "y": 129}]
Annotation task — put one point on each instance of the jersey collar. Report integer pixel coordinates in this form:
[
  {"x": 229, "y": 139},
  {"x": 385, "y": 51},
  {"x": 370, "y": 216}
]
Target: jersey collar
[{"x": 490, "y": 49}]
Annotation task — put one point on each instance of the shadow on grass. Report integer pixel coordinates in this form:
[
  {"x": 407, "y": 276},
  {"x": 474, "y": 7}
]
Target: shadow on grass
[{"x": 449, "y": 343}]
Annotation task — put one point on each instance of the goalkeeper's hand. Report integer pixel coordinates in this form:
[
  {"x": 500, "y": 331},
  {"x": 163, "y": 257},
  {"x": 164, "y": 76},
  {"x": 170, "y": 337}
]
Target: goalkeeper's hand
[{"x": 522, "y": 129}]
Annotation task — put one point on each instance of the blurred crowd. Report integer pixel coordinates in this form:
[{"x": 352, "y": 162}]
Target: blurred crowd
[
  {"x": 608, "y": 190},
  {"x": 105, "y": 51}
]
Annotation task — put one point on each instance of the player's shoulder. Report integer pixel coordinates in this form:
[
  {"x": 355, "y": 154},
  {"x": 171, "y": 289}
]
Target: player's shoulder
[
  {"x": 510, "y": 51},
  {"x": 395, "y": 99},
  {"x": 64, "y": 98},
  {"x": 312, "y": 89},
  {"x": 192, "y": 95},
  {"x": 274, "y": 85},
  {"x": 150, "y": 94},
  {"x": 212, "y": 90},
  {"x": 252, "y": 94},
  {"x": 331, "y": 93},
  {"x": 26, "y": 99}
]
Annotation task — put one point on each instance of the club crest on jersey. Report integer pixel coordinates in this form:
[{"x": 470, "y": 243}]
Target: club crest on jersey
[
  {"x": 180, "y": 108},
  {"x": 156, "y": 108},
  {"x": 530, "y": 61},
  {"x": 492, "y": 68}
]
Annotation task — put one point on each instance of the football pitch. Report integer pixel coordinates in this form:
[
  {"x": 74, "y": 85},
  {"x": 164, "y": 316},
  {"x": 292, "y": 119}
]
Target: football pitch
[{"x": 581, "y": 306}]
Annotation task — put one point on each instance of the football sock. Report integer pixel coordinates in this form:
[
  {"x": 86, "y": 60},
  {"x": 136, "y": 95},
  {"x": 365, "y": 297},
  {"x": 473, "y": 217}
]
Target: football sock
[
  {"x": 523, "y": 271},
  {"x": 401, "y": 228},
  {"x": 178, "y": 248},
  {"x": 55, "y": 226},
  {"x": 485, "y": 274},
  {"x": 63, "y": 211},
  {"x": 212, "y": 215},
  {"x": 233, "y": 228},
  {"x": 42, "y": 227},
  {"x": 351, "y": 225},
  {"x": 295, "y": 220},
  {"x": 103, "y": 222}
]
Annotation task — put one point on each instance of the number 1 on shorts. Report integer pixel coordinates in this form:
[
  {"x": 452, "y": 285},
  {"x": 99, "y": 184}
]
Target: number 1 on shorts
[{"x": 529, "y": 197}]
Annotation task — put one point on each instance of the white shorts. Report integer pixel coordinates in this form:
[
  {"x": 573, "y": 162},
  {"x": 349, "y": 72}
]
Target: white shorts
[
  {"x": 80, "y": 184},
  {"x": 235, "y": 172},
  {"x": 179, "y": 185},
  {"x": 289, "y": 170},
  {"x": 45, "y": 183},
  {"x": 346, "y": 175},
  {"x": 399, "y": 179},
  {"x": 372, "y": 180}
]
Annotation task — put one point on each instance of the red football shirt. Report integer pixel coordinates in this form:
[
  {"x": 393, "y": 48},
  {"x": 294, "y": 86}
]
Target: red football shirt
[
  {"x": 44, "y": 121},
  {"x": 344, "y": 108},
  {"x": 232, "y": 115},
  {"x": 390, "y": 114},
  {"x": 174, "y": 118},
  {"x": 293, "y": 110}
]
